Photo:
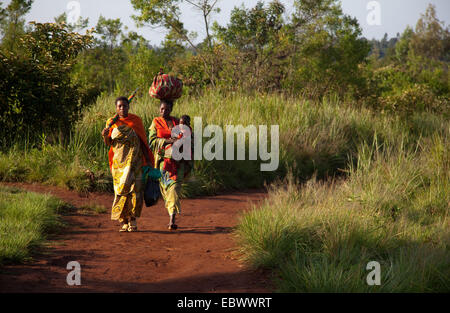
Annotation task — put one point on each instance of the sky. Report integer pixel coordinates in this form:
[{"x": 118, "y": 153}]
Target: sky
[{"x": 375, "y": 17}]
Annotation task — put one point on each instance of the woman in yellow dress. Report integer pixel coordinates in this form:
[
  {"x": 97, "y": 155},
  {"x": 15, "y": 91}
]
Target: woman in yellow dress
[{"x": 129, "y": 152}]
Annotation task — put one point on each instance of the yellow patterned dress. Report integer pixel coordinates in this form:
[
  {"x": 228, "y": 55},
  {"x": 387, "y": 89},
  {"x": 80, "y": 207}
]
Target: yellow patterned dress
[
  {"x": 127, "y": 174},
  {"x": 173, "y": 173}
]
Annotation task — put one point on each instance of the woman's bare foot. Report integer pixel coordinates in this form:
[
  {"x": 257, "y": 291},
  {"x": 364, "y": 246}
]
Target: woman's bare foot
[{"x": 172, "y": 225}]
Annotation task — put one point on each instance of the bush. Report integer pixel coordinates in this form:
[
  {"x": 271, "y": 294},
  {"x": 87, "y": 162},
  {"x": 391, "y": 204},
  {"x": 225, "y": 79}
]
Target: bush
[
  {"x": 399, "y": 89},
  {"x": 414, "y": 98},
  {"x": 36, "y": 94}
]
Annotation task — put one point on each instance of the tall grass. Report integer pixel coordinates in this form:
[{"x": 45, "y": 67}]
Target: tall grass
[
  {"x": 316, "y": 138},
  {"x": 393, "y": 208},
  {"x": 25, "y": 221},
  {"x": 353, "y": 186}
]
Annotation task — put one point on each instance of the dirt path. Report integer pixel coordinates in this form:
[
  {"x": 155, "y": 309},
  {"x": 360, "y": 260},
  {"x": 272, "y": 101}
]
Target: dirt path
[{"x": 199, "y": 257}]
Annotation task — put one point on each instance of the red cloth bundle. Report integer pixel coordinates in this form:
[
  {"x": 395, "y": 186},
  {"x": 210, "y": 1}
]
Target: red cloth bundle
[{"x": 165, "y": 87}]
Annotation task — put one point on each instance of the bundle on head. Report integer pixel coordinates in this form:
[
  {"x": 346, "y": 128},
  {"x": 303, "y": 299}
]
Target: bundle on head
[{"x": 165, "y": 87}]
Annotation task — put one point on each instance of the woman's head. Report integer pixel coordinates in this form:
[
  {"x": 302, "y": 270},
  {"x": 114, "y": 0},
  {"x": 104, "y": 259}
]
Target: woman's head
[
  {"x": 122, "y": 106},
  {"x": 165, "y": 108}
]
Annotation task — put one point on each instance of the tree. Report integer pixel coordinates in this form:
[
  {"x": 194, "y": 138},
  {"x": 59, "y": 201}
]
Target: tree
[
  {"x": 110, "y": 31},
  {"x": 255, "y": 35},
  {"x": 253, "y": 29},
  {"x": 2, "y": 13},
  {"x": 142, "y": 63},
  {"x": 328, "y": 48},
  {"x": 167, "y": 14},
  {"x": 36, "y": 92},
  {"x": 402, "y": 46},
  {"x": 76, "y": 27},
  {"x": 428, "y": 53},
  {"x": 13, "y": 24},
  {"x": 206, "y": 7},
  {"x": 133, "y": 38},
  {"x": 431, "y": 37}
]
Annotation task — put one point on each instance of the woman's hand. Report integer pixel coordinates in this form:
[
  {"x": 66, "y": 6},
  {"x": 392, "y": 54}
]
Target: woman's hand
[
  {"x": 171, "y": 140},
  {"x": 106, "y": 138},
  {"x": 105, "y": 132}
]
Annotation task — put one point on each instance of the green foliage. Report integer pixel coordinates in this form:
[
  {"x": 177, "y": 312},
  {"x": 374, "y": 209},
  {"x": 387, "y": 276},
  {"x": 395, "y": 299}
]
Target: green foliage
[
  {"x": 167, "y": 14},
  {"x": 2, "y": 13},
  {"x": 90, "y": 74},
  {"x": 254, "y": 48},
  {"x": 392, "y": 209},
  {"x": 416, "y": 78},
  {"x": 119, "y": 62},
  {"x": 191, "y": 70},
  {"x": 79, "y": 25},
  {"x": 25, "y": 221},
  {"x": 157, "y": 12},
  {"x": 402, "y": 47},
  {"x": 109, "y": 30},
  {"x": 328, "y": 49},
  {"x": 12, "y": 23},
  {"x": 163, "y": 13},
  {"x": 413, "y": 98},
  {"x": 430, "y": 38},
  {"x": 36, "y": 91},
  {"x": 384, "y": 50},
  {"x": 172, "y": 47},
  {"x": 316, "y": 138},
  {"x": 142, "y": 65},
  {"x": 251, "y": 30}
]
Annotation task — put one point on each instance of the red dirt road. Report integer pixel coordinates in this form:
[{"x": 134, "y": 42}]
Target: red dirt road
[{"x": 200, "y": 256}]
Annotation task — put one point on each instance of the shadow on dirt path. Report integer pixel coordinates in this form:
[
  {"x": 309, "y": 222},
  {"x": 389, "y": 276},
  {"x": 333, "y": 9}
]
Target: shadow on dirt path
[{"x": 199, "y": 257}]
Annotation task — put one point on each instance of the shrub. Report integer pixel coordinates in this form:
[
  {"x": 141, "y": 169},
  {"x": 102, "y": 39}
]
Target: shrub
[
  {"x": 414, "y": 98},
  {"x": 36, "y": 94}
]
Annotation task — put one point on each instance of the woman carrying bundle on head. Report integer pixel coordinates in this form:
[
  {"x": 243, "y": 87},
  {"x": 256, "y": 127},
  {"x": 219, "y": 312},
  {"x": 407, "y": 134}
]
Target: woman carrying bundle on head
[
  {"x": 129, "y": 153},
  {"x": 172, "y": 171}
]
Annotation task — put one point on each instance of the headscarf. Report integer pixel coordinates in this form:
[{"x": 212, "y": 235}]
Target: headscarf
[{"x": 134, "y": 122}]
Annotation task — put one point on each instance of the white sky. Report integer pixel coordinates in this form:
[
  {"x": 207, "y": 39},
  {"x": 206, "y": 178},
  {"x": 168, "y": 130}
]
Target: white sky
[{"x": 395, "y": 15}]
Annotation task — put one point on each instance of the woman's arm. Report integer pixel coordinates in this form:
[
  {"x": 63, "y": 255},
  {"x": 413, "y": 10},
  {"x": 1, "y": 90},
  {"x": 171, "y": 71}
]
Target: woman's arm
[
  {"x": 146, "y": 154},
  {"x": 170, "y": 140},
  {"x": 153, "y": 141},
  {"x": 105, "y": 135}
]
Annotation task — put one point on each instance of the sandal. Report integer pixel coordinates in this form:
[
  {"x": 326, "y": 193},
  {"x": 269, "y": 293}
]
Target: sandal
[
  {"x": 124, "y": 228},
  {"x": 132, "y": 226},
  {"x": 173, "y": 227}
]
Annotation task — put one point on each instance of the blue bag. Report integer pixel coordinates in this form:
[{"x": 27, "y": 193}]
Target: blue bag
[
  {"x": 152, "y": 192},
  {"x": 151, "y": 177}
]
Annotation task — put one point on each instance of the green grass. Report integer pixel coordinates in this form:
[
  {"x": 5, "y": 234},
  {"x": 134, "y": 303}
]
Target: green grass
[
  {"x": 93, "y": 208},
  {"x": 354, "y": 185},
  {"x": 25, "y": 221},
  {"x": 392, "y": 208},
  {"x": 316, "y": 138}
]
